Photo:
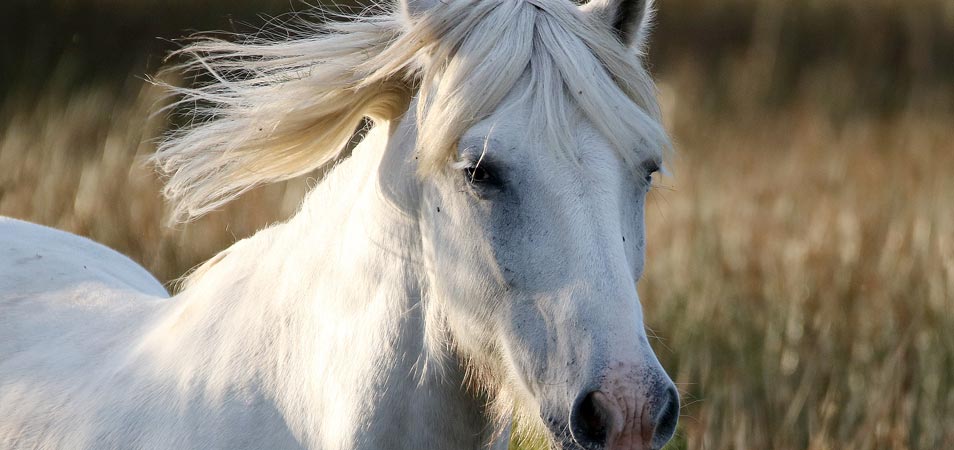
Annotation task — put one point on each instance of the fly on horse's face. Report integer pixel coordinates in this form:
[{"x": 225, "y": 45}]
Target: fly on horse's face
[{"x": 535, "y": 245}]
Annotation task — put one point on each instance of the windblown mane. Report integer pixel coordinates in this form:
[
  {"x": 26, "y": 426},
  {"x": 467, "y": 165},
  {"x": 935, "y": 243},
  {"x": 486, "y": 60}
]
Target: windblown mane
[{"x": 281, "y": 108}]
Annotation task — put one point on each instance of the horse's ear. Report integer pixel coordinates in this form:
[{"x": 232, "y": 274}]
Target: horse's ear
[
  {"x": 414, "y": 8},
  {"x": 630, "y": 19}
]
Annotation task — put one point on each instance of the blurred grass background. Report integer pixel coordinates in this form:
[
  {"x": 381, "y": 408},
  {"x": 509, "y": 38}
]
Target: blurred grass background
[{"x": 801, "y": 257}]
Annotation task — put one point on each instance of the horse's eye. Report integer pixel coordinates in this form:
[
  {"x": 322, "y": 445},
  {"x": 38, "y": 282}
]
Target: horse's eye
[
  {"x": 478, "y": 175},
  {"x": 650, "y": 167}
]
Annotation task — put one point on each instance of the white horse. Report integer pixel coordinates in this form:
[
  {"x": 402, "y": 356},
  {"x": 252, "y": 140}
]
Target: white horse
[{"x": 473, "y": 264}]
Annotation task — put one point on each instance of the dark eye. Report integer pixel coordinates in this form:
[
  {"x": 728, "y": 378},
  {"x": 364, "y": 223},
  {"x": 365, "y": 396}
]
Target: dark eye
[
  {"x": 649, "y": 168},
  {"x": 478, "y": 175}
]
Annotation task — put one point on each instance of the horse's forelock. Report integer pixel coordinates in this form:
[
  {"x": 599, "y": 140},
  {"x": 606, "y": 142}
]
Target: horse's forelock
[{"x": 571, "y": 60}]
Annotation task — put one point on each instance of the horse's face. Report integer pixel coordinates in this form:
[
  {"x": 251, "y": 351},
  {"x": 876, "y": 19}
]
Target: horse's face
[{"x": 534, "y": 258}]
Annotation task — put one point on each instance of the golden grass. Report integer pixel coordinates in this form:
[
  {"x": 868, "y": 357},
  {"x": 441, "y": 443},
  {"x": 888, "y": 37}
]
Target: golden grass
[
  {"x": 800, "y": 278},
  {"x": 75, "y": 161},
  {"x": 801, "y": 259}
]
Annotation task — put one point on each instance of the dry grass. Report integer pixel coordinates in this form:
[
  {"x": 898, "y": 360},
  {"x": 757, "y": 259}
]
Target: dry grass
[
  {"x": 76, "y": 162},
  {"x": 801, "y": 280},
  {"x": 801, "y": 259}
]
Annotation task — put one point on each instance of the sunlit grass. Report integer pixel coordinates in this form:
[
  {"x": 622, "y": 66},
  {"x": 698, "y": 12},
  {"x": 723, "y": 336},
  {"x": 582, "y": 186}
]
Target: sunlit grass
[
  {"x": 811, "y": 271},
  {"x": 800, "y": 277}
]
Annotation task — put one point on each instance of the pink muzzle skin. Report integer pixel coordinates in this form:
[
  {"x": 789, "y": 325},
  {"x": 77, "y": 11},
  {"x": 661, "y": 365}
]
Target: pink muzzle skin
[{"x": 627, "y": 412}]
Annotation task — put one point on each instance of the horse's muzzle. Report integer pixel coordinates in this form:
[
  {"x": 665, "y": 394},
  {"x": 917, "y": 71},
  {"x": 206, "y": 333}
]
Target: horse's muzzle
[{"x": 626, "y": 413}]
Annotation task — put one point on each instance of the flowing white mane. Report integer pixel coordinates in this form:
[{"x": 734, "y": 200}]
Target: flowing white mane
[{"x": 280, "y": 108}]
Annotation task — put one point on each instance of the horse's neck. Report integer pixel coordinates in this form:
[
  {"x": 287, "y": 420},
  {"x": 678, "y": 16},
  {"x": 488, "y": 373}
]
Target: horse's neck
[{"x": 325, "y": 314}]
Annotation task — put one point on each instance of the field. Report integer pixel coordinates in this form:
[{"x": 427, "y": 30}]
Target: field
[{"x": 800, "y": 281}]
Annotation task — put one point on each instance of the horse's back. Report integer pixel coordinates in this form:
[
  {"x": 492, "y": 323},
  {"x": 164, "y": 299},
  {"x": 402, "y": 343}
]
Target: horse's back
[
  {"x": 68, "y": 307},
  {"x": 36, "y": 259},
  {"x": 85, "y": 361},
  {"x": 55, "y": 284}
]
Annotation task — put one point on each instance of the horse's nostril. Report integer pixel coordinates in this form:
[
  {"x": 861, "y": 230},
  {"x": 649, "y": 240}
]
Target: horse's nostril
[
  {"x": 589, "y": 422},
  {"x": 666, "y": 418}
]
